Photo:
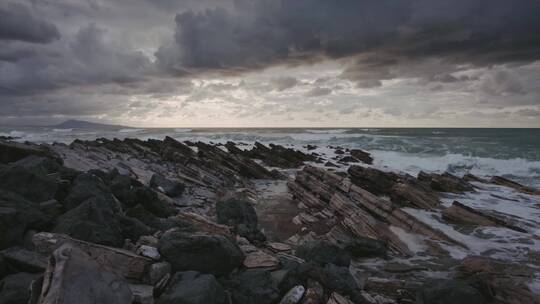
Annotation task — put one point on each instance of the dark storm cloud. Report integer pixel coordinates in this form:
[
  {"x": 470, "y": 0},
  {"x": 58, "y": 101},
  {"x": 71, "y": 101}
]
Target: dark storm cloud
[
  {"x": 17, "y": 22},
  {"x": 261, "y": 33}
]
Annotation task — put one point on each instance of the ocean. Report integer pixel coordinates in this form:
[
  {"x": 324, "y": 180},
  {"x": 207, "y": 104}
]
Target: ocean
[{"x": 512, "y": 153}]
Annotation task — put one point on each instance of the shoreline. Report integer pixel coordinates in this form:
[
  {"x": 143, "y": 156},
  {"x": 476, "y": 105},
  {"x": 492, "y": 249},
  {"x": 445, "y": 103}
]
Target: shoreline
[{"x": 381, "y": 235}]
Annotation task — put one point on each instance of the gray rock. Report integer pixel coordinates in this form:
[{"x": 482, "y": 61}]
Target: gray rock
[
  {"x": 203, "y": 252},
  {"x": 74, "y": 277},
  {"x": 191, "y": 287},
  {"x": 241, "y": 216}
]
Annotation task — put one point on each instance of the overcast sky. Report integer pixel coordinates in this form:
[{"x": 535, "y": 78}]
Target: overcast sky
[{"x": 211, "y": 63}]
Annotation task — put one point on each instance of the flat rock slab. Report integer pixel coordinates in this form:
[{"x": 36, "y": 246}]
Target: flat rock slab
[
  {"x": 122, "y": 262},
  {"x": 25, "y": 260}
]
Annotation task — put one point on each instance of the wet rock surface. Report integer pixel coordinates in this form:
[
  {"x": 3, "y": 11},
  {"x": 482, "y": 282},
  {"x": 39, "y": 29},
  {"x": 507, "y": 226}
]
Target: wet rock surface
[{"x": 163, "y": 221}]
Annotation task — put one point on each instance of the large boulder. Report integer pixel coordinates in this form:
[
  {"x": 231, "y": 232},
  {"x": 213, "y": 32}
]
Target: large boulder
[
  {"x": 449, "y": 292},
  {"x": 362, "y": 155},
  {"x": 17, "y": 215},
  {"x": 241, "y": 216},
  {"x": 93, "y": 221},
  {"x": 191, "y": 287},
  {"x": 203, "y": 252},
  {"x": 323, "y": 252},
  {"x": 254, "y": 286},
  {"x": 20, "y": 180},
  {"x": 340, "y": 279},
  {"x": 15, "y": 288},
  {"x": 72, "y": 276},
  {"x": 85, "y": 186}
]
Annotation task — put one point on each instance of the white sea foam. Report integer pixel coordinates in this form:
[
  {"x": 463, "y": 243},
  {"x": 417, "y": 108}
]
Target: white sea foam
[
  {"x": 180, "y": 130},
  {"x": 62, "y": 130}
]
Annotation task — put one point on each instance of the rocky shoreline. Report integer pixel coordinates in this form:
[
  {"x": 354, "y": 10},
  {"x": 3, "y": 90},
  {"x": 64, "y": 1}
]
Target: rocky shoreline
[{"x": 163, "y": 221}]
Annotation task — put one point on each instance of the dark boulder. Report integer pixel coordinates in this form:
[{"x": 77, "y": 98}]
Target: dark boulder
[
  {"x": 12, "y": 151},
  {"x": 203, "y": 252},
  {"x": 323, "y": 252},
  {"x": 373, "y": 180},
  {"x": 254, "y": 286},
  {"x": 20, "y": 180},
  {"x": 361, "y": 155},
  {"x": 17, "y": 215},
  {"x": 85, "y": 186},
  {"x": 24, "y": 260},
  {"x": 151, "y": 202},
  {"x": 167, "y": 186},
  {"x": 241, "y": 216},
  {"x": 191, "y": 287},
  {"x": 339, "y": 279},
  {"x": 449, "y": 292},
  {"x": 15, "y": 288},
  {"x": 93, "y": 221}
]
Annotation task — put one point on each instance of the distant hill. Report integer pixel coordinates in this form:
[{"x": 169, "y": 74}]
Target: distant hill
[{"x": 81, "y": 124}]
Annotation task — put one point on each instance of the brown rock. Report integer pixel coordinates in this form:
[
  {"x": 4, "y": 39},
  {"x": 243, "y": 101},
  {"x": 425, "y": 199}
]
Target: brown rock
[
  {"x": 501, "y": 181},
  {"x": 259, "y": 258}
]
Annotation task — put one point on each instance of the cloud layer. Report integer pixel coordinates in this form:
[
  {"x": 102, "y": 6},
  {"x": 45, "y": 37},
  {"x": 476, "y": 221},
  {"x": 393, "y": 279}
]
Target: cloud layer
[{"x": 149, "y": 61}]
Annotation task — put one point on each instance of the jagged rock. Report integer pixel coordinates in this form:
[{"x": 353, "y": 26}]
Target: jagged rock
[
  {"x": 15, "y": 288},
  {"x": 449, "y": 292},
  {"x": 323, "y": 252},
  {"x": 203, "y": 252},
  {"x": 19, "y": 180},
  {"x": 402, "y": 189},
  {"x": 122, "y": 262},
  {"x": 361, "y": 155},
  {"x": 12, "y": 151},
  {"x": 373, "y": 180},
  {"x": 240, "y": 215},
  {"x": 445, "y": 182},
  {"x": 24, "y": 260},
  {"x": 294, "y": 295},
  {"x": 459, "y": 213},
  {"x": 191, "y": 287},
  {"x": 501, "y": 281},
  {"x": 72, "y": 276},
  {"x": 361, "y": 212},
  {"x": 259, "y": 258},
  {"x": 501, "y": 181},
  {"x": 167, "y": 186},
  {"x": 279, "y": 156},
  {"x": 17, "y": 215},
  {"x": 254, "y": 286},
  {"x": 150, "y": 200}
]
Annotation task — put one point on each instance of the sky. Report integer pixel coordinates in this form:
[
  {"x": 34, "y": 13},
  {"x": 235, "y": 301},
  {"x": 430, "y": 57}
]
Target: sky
[{"x": 271, "y": 63}]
